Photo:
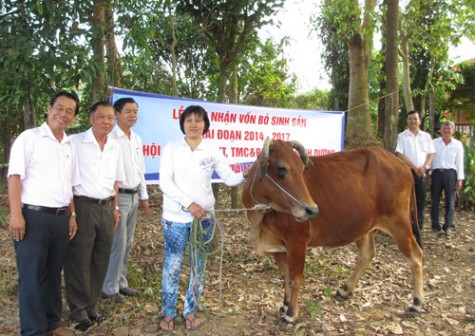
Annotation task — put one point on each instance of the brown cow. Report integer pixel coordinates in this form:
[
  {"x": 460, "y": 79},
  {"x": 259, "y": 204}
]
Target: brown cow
[{"x": 357, "y": 192}]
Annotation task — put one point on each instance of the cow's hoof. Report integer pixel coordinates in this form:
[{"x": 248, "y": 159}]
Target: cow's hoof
[
  {"x": 412, "y": 312},
  {"x": 285, "y": 321},
  {"x": 283, "y": 310},
  {"x": 339, "y": 297}
]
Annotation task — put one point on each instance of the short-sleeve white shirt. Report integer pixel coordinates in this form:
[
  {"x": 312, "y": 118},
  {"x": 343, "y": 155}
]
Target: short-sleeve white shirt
[
  {"x": 450, "y": 156},
  {"x": 48, "y": 169},
  {"x": 415, "y": 147},
  {"x": 99, "y": 169},
  {"x": 132, "y": 160}
]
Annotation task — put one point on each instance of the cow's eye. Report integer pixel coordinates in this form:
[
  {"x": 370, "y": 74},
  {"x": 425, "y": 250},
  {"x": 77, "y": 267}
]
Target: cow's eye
[{"x": 281, "y": 172}]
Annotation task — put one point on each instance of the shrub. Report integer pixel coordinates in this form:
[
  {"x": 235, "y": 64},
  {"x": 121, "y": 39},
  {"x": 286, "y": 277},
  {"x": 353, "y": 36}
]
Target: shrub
[{"x": 467, "y": 197}]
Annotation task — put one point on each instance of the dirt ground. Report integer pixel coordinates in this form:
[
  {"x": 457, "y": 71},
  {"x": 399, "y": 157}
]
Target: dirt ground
[{"x": 251, "y": 288}]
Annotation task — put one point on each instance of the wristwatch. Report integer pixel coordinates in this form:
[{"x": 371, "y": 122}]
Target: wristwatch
[
  {"x": 72, "y": 214},
  {"x": 116, "y": 208},
  {"x": 427, "y": 167}
]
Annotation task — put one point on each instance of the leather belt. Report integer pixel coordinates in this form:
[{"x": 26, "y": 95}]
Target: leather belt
[
  {"x": 97, "y": 201},
  {"x": 52, "y": 211},
  {"x": 128, "y": 191},
  {"x": 443, "y": 170}
]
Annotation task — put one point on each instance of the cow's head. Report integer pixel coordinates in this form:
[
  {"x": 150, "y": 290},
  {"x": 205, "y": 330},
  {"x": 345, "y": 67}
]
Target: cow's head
[{"x": 276, "y": 180}]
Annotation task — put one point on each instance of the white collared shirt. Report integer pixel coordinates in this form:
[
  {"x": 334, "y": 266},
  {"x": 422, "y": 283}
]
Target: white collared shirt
[
  {"x": 132, "y": 160},
  {"x": 99, "y": 169},
  {"x": 415, "y": 147},
  {"x": 449, "y": 156},
  {"x": 48, "y": 169},
  {"x": 185, "y": 177}
]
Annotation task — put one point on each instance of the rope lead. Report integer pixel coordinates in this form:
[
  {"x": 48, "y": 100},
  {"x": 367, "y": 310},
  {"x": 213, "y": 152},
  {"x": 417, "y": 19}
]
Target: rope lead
[{"x": 199, "y": 252}]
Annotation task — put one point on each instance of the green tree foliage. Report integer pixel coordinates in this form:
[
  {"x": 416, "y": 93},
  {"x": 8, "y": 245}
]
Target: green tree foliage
[
  {"x": 40, "y": 53},
  {"x": 263, "y": 77},
  {"x": 148, "y": 54},
  {"x": 467, "y": 197},
  {"x": 313, "y": 100},
  {"x": 229, "y": 28},
  {"x": 40, "y": 50},
  {"x": 462, "y": 98},
  {"x": 430, "y": 27},
  {"x": 329, "y": 26}
]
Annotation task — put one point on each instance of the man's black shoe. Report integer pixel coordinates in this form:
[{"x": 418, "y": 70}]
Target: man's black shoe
[
  {"x": 116, "y": 298},
  {"x": 98, "y": 318},
  {"x": 128, "y": 291},
  {"x": 83, "y": 325}
]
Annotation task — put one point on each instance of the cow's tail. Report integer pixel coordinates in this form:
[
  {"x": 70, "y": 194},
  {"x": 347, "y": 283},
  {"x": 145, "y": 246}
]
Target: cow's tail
[{"x": 414, "y": 218}]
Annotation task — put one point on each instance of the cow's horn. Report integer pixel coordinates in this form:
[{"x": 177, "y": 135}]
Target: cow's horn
[
  {"x": 264, "y": 158},
  {"x": 302, "y": 151}
]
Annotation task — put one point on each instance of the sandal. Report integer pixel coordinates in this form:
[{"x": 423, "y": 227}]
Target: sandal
[
  {"x": 169, "y": 324},
  {"x": 192, "y": 323}
]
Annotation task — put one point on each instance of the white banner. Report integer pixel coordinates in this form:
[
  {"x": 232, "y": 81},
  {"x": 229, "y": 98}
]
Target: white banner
[{"x": 238, "y": 130}]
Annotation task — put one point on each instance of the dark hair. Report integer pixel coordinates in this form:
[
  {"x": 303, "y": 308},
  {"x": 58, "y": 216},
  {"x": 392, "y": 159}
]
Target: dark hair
[
  {"x": 70, "y": 95},
  {"x": 412, "y": 112},
  {"x": 119, "y": 104},
  {"x": 96, "y": 105},
  {"x": 199, "y": 111}
]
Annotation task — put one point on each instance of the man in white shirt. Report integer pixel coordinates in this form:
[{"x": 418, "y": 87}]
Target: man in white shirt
[
  {"x": 418, "y": 149},
  {"x": 97, "y": 210},
  {"x": 132, "y": 191},
  {"x": 447, "y": 175},
  {"x": 42, "y": 172}
]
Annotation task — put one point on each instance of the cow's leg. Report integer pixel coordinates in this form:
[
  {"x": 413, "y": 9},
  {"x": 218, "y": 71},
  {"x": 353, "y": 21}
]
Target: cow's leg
[
  {"x": 295, "y": 264},
  {"x": 407, "y": 244},
  {"x": 281, "y": 261},
  {"x": 366, "y": 252}
]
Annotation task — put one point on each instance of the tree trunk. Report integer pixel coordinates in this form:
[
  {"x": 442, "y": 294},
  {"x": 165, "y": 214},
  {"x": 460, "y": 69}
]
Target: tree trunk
[
  {"x": 358, "y": 131},
  {"x": 29, "y": 115},
  {"x": 382, "y": 78},
  {"x": 336, "y": 104},
  {"x": 406, "y": 75},
  {"x": 99, "y": 85},
  {"x": 114, "y": 67},
  {"x": 234, "y": 92},
  {"x": 359, "y": 122},
  {"x": 223, "y": 82},
  {"x": 392, "y": 84},
  {"x": 173, "y": 50},
  {"x": 236, "y": 192},
  {"x": 425, "y": 91},
  {"x": 431, "y": 113}
]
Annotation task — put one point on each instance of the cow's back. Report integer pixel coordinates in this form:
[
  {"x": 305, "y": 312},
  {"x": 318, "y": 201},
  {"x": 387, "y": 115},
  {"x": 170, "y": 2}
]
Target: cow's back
[{"x": 355, "y": 191}]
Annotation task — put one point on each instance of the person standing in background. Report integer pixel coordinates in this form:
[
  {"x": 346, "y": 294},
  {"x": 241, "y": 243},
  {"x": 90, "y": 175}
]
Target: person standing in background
[
  {"x": 447, "y": 175},
  {"x": 131, "y": 191},
  {"x": 42, "y": 171},
  {"x": 417, "y": 149},
  {"x": 96, "y": 204}
]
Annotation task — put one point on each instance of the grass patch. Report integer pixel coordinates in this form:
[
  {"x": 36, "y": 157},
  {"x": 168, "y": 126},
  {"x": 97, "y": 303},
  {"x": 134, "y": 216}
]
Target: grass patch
[
  {"x": 146, "y": 277},
  {"x": 314, "y": 308},
  {"x": 8, "y": 282},
  {"x": 3, "y": 216}
]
